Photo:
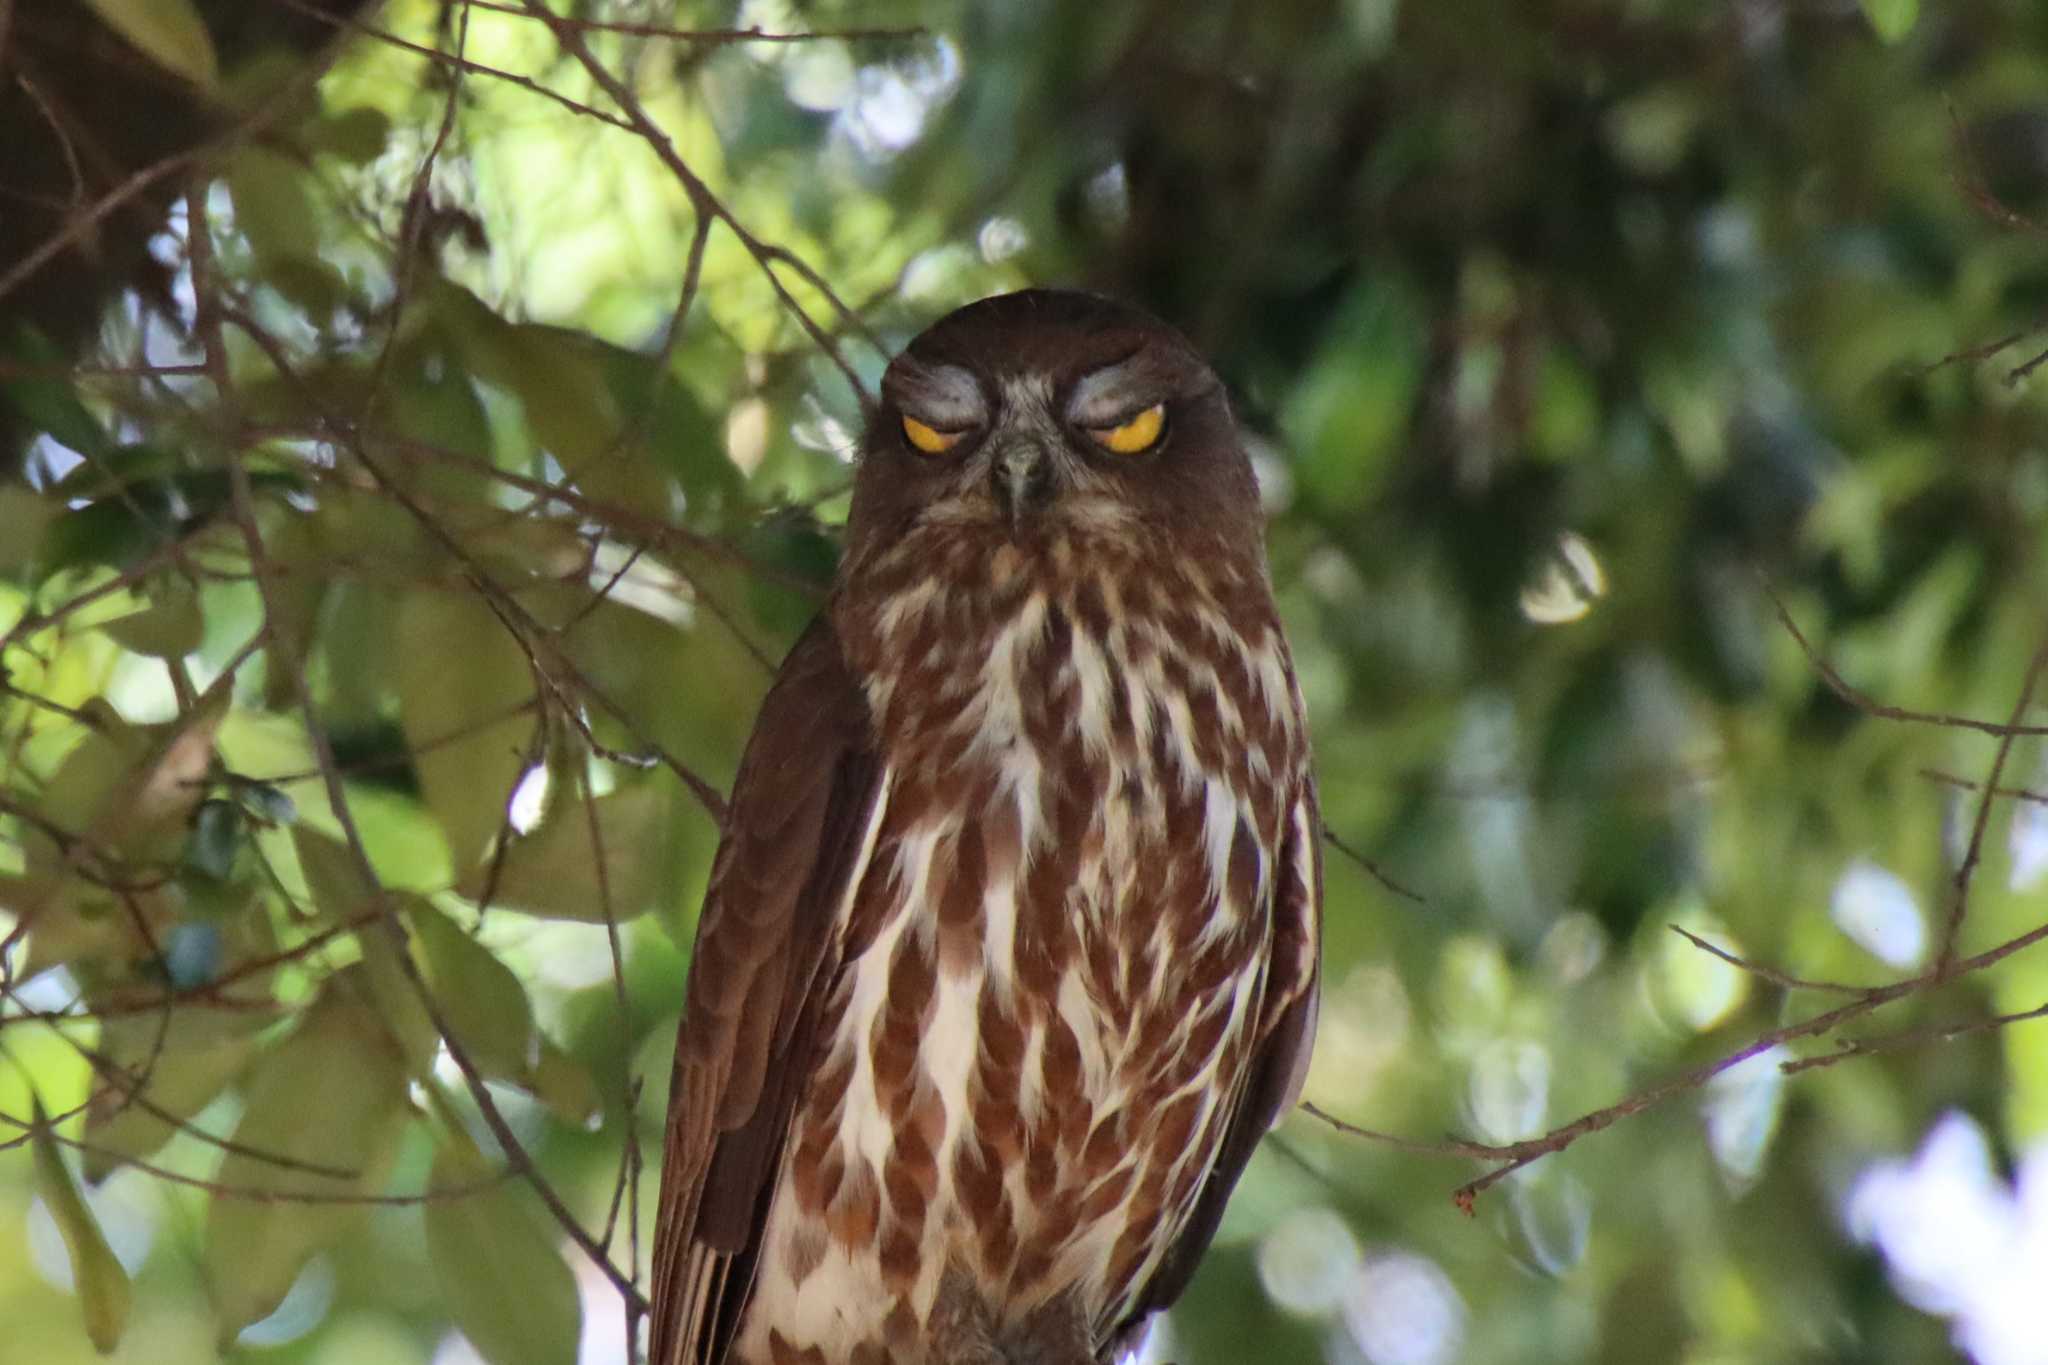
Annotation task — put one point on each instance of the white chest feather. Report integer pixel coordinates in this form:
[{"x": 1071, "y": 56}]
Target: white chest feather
[{"x": 1065, "y": 912}]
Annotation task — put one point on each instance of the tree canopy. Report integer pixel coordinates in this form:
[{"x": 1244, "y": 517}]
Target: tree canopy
[{"x": 424, "y": 425}]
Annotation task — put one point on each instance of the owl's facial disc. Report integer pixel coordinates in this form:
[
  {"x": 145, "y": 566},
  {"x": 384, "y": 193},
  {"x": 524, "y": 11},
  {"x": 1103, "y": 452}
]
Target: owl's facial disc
[{"x": 1039, "y": 433}]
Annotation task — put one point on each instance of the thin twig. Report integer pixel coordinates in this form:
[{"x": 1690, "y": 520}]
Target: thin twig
[
  {"x": 1959, "y": 885},
  {"x": 134, "y": 1084},
  {"x": 80, "y": 223},
  {"x": 626, "y": 1190},
  {"x": 1870, "y": 705},
  {"x": 1782, "y": 979},
  {"x": 243, "y": 506},
  {"x": 525, "y": 630},
  {"x": 208, "y": 994},
  {"x": 450, "y": 60},
  {"x": 1515, "y": 1155},
  {"x": 2020, "y": 373},
  {"x": 1892, "y": 1042},
  {"x": 1482, "y": 1151},
  {"x": 412, "y": 224},
  {"x": 1372, "y": 869},
  {"x": 571, "y": 40},
  {"x": 1948, "y": 779},
  {"x": 1971, "y": 184},
  {"x": 755, "y": 34},
  {"x": 264, "y": 1194},
  {"x": 1971, "y": 355}
]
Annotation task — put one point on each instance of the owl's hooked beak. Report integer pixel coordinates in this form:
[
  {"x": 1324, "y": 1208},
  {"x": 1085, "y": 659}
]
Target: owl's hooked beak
[{"x": 1021, "y": 477}]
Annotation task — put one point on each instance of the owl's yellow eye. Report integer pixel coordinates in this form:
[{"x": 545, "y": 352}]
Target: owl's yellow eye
[
  {"x": 1135, "y": 436},
  {"x": 929, "y": 439}
]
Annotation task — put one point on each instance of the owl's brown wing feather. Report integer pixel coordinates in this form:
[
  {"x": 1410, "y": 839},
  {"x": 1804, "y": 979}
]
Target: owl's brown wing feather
[
  {"x": 1272, "y": 1084},
  {"x": 794, "y": 835}
]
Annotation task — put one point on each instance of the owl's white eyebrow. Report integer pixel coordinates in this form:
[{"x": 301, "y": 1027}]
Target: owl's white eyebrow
[
  {"x": 946, "y": 396},
  {"x": 1111, "y": 394}
]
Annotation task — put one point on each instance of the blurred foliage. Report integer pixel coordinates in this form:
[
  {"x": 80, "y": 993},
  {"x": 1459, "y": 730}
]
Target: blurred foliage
[{"x": 404, "y": 507}]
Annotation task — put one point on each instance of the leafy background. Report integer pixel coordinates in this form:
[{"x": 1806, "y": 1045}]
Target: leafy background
[{"x": 423, "y": 424}]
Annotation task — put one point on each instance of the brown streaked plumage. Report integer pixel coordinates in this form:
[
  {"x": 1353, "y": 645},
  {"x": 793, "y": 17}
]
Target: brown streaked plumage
[{"x": 1009, "y": 956}]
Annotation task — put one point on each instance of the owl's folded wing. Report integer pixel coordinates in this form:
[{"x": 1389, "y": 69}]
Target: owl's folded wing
[
  {"x": 794, "y": 835},
  {"x": 1279, "y": 1064}
]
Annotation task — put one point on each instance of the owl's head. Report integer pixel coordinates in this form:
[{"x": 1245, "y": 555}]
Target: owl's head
[{"x": 1044, "y": 411}]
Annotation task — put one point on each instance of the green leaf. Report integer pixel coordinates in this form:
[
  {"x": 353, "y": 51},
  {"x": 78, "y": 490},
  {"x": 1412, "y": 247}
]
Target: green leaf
[
  {"x": 565, "y": 1086},
  {"x": 116, "y": 533},
  {"x": 337, "y": 887},
  {"x": 47, "y": 400},
  {"x": 177, "y": 1061},
  {"x": 1893, "y": 19},
  {"x": 565, "y": 393},
  {"x": 24, "y": 514},
  {"x": 433, "y": 401},
  {"x": 1691, "y": 989},
  {"x": 170, "y": 627},
  {"x": 272, "y": 208},
  {"x": 104, "y": 1293},
  {"x": 330, "y": 1100},
  {"x": 293, "y": 607},
  {"x": 1350, "y": 413},
  {"x": 131, "y": 788},
  {"x": 554, "y": 870},
  {"x": 134, "y": 517},
  {"x": 73, "y": 922},
  {"x": 93, "y": 775},
  {"x": 567, "y": 401},
  {"x": 126, "y": 469},
  {"x": 391, "y": 988},
  {"x": 456, "y": 664},
  {"x": 355, "y": 135},
  {"x": 1566, "y": 419},
  {"x": 678, "y": 432},
  {"x": 169, "y": 32},
  {"x": 482, "y": 1002},
  {"x": 332, "y": 876},
  {"x": 505, "y": 1284},
  {"x": 275, "y": 212}
]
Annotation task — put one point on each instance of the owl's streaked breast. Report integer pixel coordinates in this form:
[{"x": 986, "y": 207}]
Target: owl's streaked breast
[{"x": 1058, "y": 938}]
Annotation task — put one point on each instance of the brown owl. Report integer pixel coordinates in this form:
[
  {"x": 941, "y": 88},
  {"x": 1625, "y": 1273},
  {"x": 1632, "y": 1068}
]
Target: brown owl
[{"x": 1009, "y": 956}]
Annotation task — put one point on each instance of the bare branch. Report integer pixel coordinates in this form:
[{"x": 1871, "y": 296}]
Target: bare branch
[
  {"x": 712, "y": 35},
  {"x": 1371, "y": 868},
  {"x": 571, "y": 40},
  {"x": 243, "y": 504},
  {"x": 1948, "y": 779},
  {"x": 413, "y": 222},
  {"x": 626, "y": 1190},
  {"x": 1784, "y": 980},
  {"x": 457, "y": 63},
  {"x": 1515, "y": 1155},
  {"x": 1959, "y": 885},
  {"x": 1971, "y": 355},
  {"x": 525, "y": 629},
  {"x": 1892, "y": 1042},
  {"x": 80, "y": 223},
  {"x": 1483, "y": 1151},
  {"x": 1870, "y": 705},
  {"x": 255, "y": 1194}
]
